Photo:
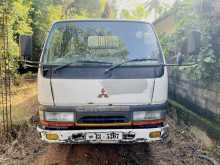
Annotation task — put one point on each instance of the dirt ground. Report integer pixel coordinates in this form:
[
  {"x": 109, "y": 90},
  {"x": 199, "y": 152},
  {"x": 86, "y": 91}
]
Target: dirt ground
[{"x": 182, "y": 146}]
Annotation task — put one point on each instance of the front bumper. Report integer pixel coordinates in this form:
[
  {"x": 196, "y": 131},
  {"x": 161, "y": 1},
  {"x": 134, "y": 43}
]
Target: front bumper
[{"x": 129, "y": 135}]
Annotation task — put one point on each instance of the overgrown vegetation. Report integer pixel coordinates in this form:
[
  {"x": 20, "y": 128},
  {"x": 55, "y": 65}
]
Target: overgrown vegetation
[
  {"x": 202, "y": 16},
  {"x": 34, "y": 17}
]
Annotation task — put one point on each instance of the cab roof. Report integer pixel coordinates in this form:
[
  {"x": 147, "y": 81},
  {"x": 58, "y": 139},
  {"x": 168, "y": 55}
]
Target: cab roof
[{"x": 101, "y": 20}]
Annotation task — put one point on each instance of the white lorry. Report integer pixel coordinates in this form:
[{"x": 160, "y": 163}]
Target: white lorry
[{"x": 102, "y": 81}]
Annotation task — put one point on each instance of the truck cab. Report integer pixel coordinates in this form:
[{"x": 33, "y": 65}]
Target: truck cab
[{"x": 102, "y": 81}]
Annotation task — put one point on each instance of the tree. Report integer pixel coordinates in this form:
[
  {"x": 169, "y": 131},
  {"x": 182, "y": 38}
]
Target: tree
[
  {"x": 83, "y": 8},
  {"x": 153, "y": 5},
  {"x": 157, "y": 7},
  {"x": 19, "y": 23},
  {"x": 42, "y": 14},
  {"x": 189, "y": 18},
  {"x": 138, "y": 13},
  {"x": 107, "y": 11},
  {"x": 36, "y": 16}
]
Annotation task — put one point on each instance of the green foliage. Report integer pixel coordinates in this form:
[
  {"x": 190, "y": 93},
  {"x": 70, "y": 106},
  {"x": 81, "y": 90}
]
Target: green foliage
[
  {"x": 138, "y": 13},
  {"x": 188, "y": 18},
  {"x": 42, "y": 14},
  {"x": 85, "y": 9},
  {"x": 19, "y": 17},
  {"x": 157, "y": 7},
  {"x": 19, "y": 23},
  {"x": 45, "y": 12},
  {"x": 36, "y": 16},
  {"x": 167, "y": 42}
]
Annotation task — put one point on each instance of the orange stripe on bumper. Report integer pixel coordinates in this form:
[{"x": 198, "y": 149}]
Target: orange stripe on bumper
[
  {"x": 148, "y": 122},
  {"x": 57, "y": 124},
  {"x": 134, "y": 123}
]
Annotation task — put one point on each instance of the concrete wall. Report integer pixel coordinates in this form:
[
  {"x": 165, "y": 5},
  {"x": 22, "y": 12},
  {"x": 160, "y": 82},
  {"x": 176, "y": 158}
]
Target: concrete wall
[{"x": 200, "y": 98}]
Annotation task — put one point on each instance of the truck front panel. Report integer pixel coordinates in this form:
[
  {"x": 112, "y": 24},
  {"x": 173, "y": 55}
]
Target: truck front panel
[{"x": 102, "y": 82}]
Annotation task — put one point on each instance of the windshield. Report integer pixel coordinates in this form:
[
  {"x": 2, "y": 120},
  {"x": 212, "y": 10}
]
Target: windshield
[{"x": 108, "y": 42}]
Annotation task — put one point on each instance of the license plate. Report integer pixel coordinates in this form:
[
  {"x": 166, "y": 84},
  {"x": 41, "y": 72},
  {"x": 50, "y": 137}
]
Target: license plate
[{"x": 104, "y": 136}]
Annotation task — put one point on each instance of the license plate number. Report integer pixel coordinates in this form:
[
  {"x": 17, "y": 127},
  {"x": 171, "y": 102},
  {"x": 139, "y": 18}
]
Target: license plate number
[{"x": 104, "y": 136}]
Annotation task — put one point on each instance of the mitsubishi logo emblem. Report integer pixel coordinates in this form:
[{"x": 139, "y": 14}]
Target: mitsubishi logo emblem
[{"x": 103, "y": 93}]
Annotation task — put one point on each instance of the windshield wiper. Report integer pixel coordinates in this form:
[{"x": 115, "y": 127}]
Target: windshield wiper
[
  {"x": 94, "y": 62},
  {"x": 80, "y": 61},
  {"x": 132, "y": 60}
]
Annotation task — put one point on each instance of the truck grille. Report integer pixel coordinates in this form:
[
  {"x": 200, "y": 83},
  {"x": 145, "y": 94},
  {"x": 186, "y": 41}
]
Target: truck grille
[{"x": 103, "y": 119}]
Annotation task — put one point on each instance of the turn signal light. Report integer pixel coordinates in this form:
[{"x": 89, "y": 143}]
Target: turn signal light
[
  {"x": 52, "y": 136},
  {"x": 155, "y": 134}
]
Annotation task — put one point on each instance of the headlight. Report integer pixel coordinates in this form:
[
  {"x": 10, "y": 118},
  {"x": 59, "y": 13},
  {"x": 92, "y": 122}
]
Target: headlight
[
  {"x": 59, "y": 116},
  {"x": 148, "y": 115}
]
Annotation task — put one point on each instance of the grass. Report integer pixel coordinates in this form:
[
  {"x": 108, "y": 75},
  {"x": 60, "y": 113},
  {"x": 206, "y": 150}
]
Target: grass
[{"x": 24, "y": 101}]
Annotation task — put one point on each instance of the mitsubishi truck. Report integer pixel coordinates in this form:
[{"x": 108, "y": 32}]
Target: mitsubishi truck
[{"x": 102, "y": 81}]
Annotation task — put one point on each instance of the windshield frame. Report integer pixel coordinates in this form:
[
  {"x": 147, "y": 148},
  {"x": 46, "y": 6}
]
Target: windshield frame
[{"x": 161, "y": 59}]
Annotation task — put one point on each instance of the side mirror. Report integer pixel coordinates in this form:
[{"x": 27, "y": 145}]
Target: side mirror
[{"x": 25, "y": 44}]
